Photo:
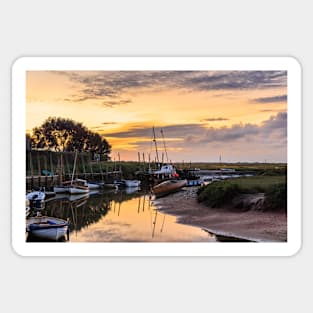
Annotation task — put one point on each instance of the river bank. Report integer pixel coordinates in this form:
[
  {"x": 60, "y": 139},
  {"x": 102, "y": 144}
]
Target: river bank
[{"x": 252, "y": 225}]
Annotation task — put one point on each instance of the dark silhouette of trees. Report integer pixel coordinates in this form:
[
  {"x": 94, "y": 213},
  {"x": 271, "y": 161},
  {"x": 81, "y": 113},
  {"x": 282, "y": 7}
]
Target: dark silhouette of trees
[{"x": 61, "y": 134}]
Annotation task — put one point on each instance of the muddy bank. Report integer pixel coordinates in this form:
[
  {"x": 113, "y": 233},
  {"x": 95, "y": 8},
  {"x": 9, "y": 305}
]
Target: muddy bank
[{"x": 251, "y": 224}]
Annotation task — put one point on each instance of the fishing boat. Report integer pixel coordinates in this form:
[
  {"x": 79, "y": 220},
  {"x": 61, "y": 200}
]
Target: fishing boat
[
  {"x": 36, "y": 198},
  {"x": 47, "y": 228},
  {"x": 168, "y": 186}
]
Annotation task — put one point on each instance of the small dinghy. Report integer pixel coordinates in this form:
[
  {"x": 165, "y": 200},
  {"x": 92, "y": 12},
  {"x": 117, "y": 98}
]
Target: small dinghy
[
  {"x": 36, "y": 198},
  {"x": 168, "y": 186},
  {"x": 47, "y": 228}
]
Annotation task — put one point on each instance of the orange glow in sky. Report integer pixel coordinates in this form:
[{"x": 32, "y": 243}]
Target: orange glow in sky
[{"x": 241, "y": 115}]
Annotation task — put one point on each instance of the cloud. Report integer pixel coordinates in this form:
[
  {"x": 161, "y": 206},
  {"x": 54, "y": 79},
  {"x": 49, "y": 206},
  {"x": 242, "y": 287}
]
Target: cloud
[
  {"x": 112, "y": 103},
  {"x": 108, "y": 123},
  {"x": 113, "y": 85},
  {"x": 239, "y": 80},
  {"x": 215, "y": 119},
  {"x": 271, "y": 110},
  {"x": 274, "y": 127},
  {"x": 189, "y": 141},
  {"x": 170, "y": 131},
  {"x": 280, "y": 98}
]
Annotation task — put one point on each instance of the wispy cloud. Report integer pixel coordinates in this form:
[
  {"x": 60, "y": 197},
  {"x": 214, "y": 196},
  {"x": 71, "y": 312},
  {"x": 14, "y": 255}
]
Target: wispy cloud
[
  {"x": 280, "y": 98},
  {"x": 215, "y": 119},
  {"x": 199, "y": 134},
  {"x": 271, "y": 110},
  {"x": 111, "y": 86}
]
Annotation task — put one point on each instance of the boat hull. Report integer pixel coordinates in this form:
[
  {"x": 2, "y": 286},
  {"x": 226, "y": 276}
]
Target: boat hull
[
  {"x": 60, "y": 189},
  {"x": 47, "y": 228},
  {"x": 77, "y": 190},
  {"x": 168, "y": 187}
]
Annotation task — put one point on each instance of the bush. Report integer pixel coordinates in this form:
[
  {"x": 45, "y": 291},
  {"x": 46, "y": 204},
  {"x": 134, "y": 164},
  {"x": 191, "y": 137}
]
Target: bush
[
  {"x": 217, "y": 194},
  {"x": 276, "y": 198}
]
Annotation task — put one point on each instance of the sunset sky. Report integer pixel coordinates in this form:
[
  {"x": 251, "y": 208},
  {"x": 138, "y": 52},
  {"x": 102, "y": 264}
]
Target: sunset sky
[{"x": 240, "y": 115}]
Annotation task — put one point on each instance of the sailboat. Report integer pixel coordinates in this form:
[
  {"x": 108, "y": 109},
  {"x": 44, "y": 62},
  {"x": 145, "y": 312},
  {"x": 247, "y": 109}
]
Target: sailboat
[{"x": 73, "y": 186}]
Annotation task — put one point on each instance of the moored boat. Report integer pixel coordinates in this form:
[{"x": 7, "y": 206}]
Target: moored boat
[
  {"x": 76, "y": 189},
  {"x": 36, "y": 198},
  {"x": 76, "y": 186},
  {"x": 132, "y": 183},
  {"x": 47, "y": 228},
  {"x": 60, "y": 189},
  {"x": 93, "y": 185},
  {"x": 194, "y": 182},
  {"x": 168, "y": 186}
]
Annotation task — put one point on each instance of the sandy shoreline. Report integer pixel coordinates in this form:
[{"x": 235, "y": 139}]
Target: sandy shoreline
[{"x": 250, "y": 225}]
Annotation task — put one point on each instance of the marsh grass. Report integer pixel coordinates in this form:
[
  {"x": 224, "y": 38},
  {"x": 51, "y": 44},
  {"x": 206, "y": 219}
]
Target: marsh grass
[{"x": 221, "y": 193}]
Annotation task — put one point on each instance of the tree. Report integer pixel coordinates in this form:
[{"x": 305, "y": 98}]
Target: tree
[{"x": 61, "y": 134}]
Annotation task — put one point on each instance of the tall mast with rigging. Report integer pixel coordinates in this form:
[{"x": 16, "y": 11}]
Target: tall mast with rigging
[
  {"x": 156, "y": 147},
  {"x": 164, "y": 146}
]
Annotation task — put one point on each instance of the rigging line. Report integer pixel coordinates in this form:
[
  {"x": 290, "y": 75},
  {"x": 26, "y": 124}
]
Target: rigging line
[{"x": 164, "y": 146}]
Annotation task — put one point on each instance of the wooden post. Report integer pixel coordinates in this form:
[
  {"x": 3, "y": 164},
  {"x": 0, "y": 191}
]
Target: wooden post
[
  {"x": 46, "y": 169},
  {"x": 67, "y": 165},
  {"x": 100, "y": 166},
  {"x": 51, "y": 163},
  {"x": 31, "y": 170},
  {"x": 38, "y": 164},
  {"x": 83, "y": 163},
  {"x": 90, "y": 164},
  {"x": 143, "y": 160}
]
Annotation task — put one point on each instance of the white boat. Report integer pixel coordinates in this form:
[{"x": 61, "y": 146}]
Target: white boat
[
  {"x": 132, "y": 183},
  {"x": 47, "y": 228},
  {"x": 75, "y": 189},
  {"x": 36, "y": 198},
  {"x": 76, "y": 186},
  {"x": 93, "y": 185},
  {"x": 60, "y": 189}
]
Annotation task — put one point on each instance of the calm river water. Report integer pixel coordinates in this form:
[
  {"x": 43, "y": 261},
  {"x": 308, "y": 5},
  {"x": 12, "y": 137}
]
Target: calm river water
[{"x": 120, "y": 216}]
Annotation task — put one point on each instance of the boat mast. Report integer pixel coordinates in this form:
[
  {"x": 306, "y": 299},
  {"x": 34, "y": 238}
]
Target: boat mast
[
  {"x": 74, "y": 167},
  {"x": 156, "y": 147},
  {"x": 164, "y": 146}
]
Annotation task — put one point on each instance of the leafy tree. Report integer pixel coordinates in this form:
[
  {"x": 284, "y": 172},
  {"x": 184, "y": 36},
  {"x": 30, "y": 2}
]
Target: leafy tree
[{"x": 63, "y": 134}]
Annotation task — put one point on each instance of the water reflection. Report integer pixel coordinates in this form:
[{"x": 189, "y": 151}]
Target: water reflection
[{"x": 120, "y": 216}]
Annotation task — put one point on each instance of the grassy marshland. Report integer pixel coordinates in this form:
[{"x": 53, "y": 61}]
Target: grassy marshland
[{"x": 222, "y": 193}]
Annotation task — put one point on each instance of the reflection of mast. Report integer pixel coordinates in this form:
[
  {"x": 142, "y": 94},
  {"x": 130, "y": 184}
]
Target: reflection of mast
[
  {"x": 139, "y": 200},
  {"x": 164, "y": 146},
  {"x": 154, "y": 223},
  {"x": 119, "y": 209},
  {"x": 143, "y": 204},
  {"x": 161, "y": 230},
  {"x": 156, "y": 147}
]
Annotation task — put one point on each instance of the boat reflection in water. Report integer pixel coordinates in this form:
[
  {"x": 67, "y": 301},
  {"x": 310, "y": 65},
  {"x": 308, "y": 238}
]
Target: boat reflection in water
[{"x": 121, "y": 216}]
